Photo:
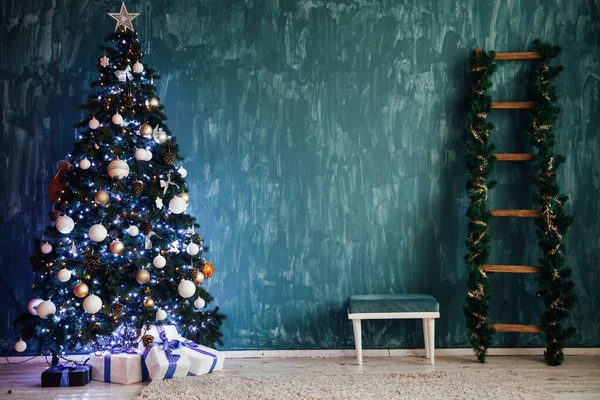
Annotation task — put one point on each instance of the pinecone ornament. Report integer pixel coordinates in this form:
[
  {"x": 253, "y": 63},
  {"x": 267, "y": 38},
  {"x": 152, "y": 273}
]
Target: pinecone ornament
[
  {"x": 196, "y": 238},
  {"x": 106, "y": 131},
  {"x": 117, "y": 310},
  {"x": 169, "y": 158},
  {"x": 54, "y": 215},
  {"x": 137, "y": 187},
  {"x": 91, "y": 261},
  {"x": 36, "y": 261},
  {"x": 135, "y": 48},
  {"x": 194, "y": 273},
  {"x": 146, "y": 227},
  {"x": 147, "y": 340},
  {"x": 129, "y": 101}
]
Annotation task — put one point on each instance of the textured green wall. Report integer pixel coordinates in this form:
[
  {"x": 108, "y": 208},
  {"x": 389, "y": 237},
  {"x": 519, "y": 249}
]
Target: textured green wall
[{"x": 325, "y": 148}]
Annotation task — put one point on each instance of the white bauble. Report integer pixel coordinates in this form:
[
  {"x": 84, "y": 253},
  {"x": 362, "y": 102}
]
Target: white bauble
[
  {"x": 153, "y": 102},
  {"x": 97, "y": 233},
  {"x": 65, "y": 224},
  {"x": 32, "y": 306},
  {"x": 161, "y": 315},
  {"x": 199, "y": 303},
  {"x": 85, "y": 163},
  {"x": 117, "y": 119},
  {"x": 193, "y": 249},
  {"x": 138, "y": 67},
  {"x": 46, "y": 248},
  {"x": 92, "y": 304},
  {"x": 159, "y": 261},
  {"x": 45, "y": 309},
  {"x": 133, "y": 230},
  {"x": 20, "y": 346},
  {"x": 160, "y": 137},
  {"x": 186, "y": 288},
  {"x": 140, "y": 154},
  {"x": 177, "y": 205},
  {"x": 64, "y": 275},
  {"x": 148, "y": 155},
  {"x": 94, "y": 123},
  {"x": 182, "y": 172},
  {"x": 118, "y": 169}
]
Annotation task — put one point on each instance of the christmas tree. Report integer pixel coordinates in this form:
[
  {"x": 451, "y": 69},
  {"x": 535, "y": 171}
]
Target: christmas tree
[{"x": 122, "y": 253}]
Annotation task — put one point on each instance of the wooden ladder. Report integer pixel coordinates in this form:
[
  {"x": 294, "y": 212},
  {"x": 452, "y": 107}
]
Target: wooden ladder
[{"x": 519, "y": 157}]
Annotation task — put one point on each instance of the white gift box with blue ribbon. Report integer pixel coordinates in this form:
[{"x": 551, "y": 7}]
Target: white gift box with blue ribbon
[
  {"x": 124, "y": 366},
  {"x": 166, "y": 358},
  {"x": 204, "y": 360}
]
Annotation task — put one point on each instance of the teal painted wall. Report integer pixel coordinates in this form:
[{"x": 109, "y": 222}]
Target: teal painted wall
[{"x": 325, "y": 147}]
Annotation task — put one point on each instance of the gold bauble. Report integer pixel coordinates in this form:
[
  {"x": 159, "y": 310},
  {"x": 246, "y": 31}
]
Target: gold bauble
[
  {"x": 149, "y": 303},
  {"x": 146, "y": 130},
  {"x": 116, "y": 247},
  {"x": 142, "y": 276},
  {"x": 81, "y": 290},
  {"x": 101, "y": 197},
  {"x": 153, "y": 102},
  {"x": 185, "y": 196},
  {"x": 197, "y": 276}
]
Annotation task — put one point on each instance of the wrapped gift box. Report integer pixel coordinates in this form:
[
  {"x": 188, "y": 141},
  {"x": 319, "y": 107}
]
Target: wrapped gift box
[
  {"x": 166, "y": 358},
  {"x": 124, "y": 366},
  {"x": 62, "y": 375},
  {"x": 204, "y": 360}
]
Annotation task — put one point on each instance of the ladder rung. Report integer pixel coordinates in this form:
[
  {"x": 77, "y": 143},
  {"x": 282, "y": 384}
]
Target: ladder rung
[
  {"x": 516, "y": 213},
  {"x": 519, "y": 269},
  {"x": 512, "y": 105},
  {"x": 525, "y": 55},
  {"x": 514, "y": 157},
  {"x": 518, "y": 328}
]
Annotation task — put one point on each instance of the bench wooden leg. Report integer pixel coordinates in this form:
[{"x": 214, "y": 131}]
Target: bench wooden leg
[
  {"x": 431, "y": 336},
  {"x": 426, "y": 337},
  {"x": 357, "y": 339}
]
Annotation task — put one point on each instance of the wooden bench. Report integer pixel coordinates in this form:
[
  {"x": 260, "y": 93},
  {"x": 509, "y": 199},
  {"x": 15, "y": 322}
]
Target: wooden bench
[{"x": 395, "y": 306}]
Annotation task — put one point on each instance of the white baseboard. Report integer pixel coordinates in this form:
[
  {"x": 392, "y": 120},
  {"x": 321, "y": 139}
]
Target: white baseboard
[
  {"x": 573, "y": 351},
  {"x": 594, "y": 351}
]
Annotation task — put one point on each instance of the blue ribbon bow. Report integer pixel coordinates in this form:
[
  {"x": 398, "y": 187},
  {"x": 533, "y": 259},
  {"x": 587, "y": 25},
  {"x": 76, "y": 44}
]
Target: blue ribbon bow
[
  {"x": 107, "y": 358},
  {"x": 168, "y": 346},
  {"x": 193, "y": 346}
]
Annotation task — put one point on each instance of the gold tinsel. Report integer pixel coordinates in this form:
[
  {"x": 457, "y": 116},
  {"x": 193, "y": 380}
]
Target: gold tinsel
[{"x": 479, "y": 293}]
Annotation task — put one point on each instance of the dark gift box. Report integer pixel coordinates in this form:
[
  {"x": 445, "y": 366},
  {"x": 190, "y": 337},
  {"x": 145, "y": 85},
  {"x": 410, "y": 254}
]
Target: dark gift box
[{"x": 62, "y": 375}]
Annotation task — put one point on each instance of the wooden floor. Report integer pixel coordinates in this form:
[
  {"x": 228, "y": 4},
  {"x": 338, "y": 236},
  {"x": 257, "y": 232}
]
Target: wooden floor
[{"x": 577, "y": 378}]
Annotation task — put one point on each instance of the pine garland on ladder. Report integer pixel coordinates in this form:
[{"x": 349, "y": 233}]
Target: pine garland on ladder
[
  {"x": 480, "y": 161},
  {"x": 556, "y": 287}
]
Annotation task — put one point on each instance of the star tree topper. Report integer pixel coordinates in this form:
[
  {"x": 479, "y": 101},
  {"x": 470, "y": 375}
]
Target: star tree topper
[{"x": 124, "y": 18}]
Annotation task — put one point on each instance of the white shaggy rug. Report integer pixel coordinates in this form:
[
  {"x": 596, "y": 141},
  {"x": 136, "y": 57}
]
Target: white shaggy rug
[{"x": 434, "y": 385}]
